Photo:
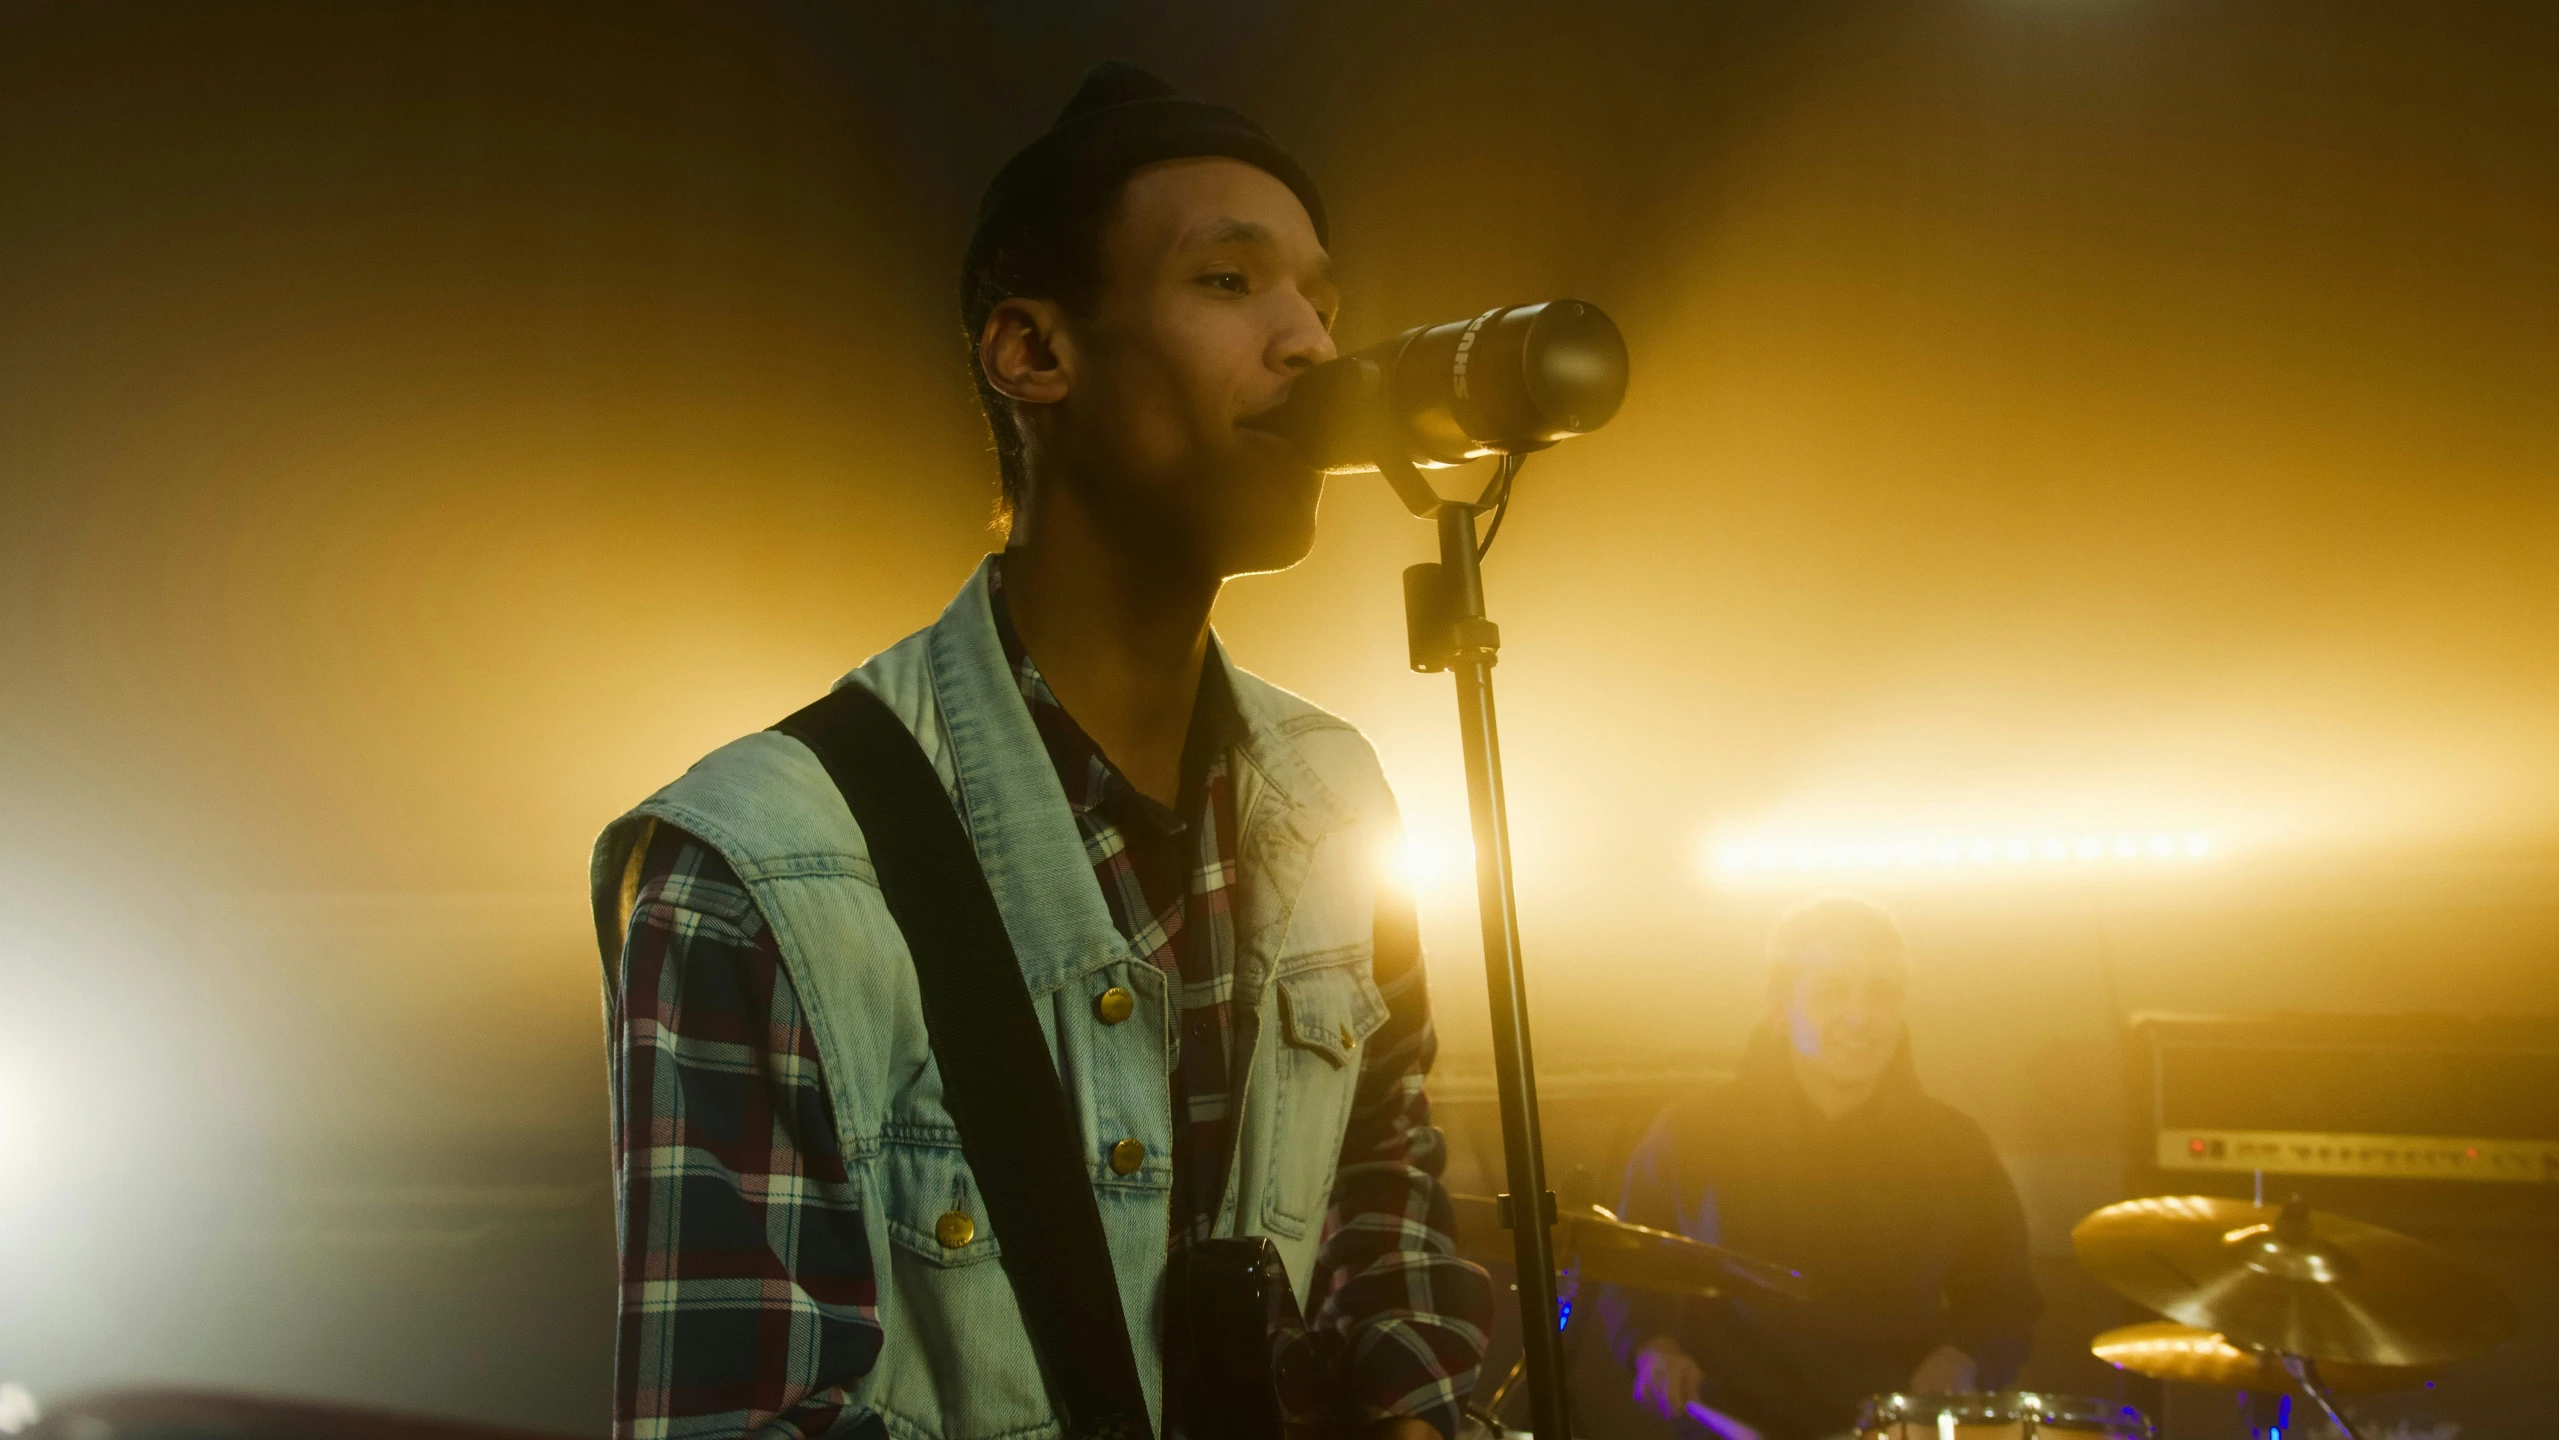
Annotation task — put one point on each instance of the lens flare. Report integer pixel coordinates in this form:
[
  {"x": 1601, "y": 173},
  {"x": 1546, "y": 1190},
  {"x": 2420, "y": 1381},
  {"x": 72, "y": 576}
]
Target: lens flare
[{"x": 1425, "y": 862}]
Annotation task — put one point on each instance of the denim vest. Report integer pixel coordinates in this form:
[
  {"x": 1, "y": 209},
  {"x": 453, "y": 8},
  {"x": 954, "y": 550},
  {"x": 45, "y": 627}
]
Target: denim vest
[{"x": 1314, "y": 820}]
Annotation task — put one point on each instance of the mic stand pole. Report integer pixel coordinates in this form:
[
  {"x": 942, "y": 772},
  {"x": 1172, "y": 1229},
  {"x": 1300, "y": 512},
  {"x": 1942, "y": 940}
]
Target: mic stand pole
[{"x": 1444, "y": 611}]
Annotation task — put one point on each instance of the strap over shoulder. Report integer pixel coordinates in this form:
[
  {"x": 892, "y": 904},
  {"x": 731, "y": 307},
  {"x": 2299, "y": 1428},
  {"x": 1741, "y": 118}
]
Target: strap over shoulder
[{"x": 1016, "y": 1128}]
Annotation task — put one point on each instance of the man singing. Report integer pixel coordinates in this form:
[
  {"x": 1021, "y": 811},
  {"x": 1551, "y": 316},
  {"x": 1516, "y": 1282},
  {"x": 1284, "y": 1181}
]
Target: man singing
[
  {"x": 1184, "y": 857},
  {"x": 1823, "y": 1155}
]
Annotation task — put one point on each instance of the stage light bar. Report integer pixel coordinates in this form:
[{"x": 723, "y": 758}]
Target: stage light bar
[{"x": 1809, "y": 854}]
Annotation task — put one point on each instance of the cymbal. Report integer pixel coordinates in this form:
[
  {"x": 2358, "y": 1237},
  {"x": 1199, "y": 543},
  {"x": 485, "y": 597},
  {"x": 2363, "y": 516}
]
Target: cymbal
[
  {"x": 1606, "y": 1250},
  {"x": 2166, "y": 1350},
  {"x": 2295, "y": 1281}
]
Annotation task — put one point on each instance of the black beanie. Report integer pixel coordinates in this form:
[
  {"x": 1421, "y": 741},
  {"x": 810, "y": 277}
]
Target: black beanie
[{"x": 1120, "y": 118}]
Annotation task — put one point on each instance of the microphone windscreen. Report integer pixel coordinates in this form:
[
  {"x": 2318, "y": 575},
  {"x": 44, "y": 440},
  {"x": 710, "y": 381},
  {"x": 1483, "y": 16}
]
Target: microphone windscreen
[{"x": 1506, "y": 382}]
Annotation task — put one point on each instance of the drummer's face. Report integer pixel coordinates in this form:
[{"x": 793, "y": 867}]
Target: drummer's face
[{"x": 1844, "y": 1012}]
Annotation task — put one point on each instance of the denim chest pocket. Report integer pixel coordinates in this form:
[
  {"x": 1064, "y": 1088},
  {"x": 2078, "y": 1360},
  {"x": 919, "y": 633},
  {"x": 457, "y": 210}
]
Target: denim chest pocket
[
  {"x": 1327, "y": 1013},
  {"x": 930, "y": 1199},
  {"x": 1328, "y": 1010},
  {"x": 955, "y": 1359}
]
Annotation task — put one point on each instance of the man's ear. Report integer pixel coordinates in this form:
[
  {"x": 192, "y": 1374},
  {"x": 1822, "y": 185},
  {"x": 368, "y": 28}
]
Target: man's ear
[{"x": 1024, "y": 351}]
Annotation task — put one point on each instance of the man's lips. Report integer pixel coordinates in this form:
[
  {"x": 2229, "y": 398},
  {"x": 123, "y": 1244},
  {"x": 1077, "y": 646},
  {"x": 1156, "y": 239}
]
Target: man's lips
[
  {"x": 1261, "y": 421},
  {"x": 1271, "y": 442}
]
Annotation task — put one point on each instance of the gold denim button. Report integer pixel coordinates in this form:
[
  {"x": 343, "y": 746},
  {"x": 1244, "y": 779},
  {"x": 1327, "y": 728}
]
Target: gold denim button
[
  {"x": 1114, "y": 1005},
  {"x": 954, "y": 1229},
  {"x": 1349, "y": 1040},
  {"x": 1127, "y": 1155}
]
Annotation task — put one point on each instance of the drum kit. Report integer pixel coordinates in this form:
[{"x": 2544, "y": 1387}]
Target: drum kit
[{"x": 2268, "y": 1300}]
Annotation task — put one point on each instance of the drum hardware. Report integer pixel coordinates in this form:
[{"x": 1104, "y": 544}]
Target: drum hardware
[
  {"x": 1604, "y": 1250},
  {"x": 1593, "y": 1246},
  {"x": 2007, "y": 1415},
  {"x": 2306, "y": 1289}
]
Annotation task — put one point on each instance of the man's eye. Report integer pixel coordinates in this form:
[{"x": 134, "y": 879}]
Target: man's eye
[{"x": 1228, "y": 280}]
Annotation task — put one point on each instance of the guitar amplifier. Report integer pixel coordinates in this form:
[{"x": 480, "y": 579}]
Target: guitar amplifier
[{"x": 2406, "y": 1102}]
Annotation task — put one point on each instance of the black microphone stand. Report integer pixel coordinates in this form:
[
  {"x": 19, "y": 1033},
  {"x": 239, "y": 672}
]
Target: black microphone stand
[{"x": 1447, "y": 630}]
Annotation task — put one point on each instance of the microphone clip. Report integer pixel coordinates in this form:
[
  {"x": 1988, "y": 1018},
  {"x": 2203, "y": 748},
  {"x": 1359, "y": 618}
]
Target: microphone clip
[{"x": 1410, "y": 487}]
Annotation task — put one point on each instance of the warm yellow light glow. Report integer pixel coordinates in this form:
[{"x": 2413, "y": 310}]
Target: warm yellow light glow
[
  {"x": 1425, "y": 862},
  {"x": 2175, "y": 1207},
  {"x": 18, "y": 1138},
  {"x": 18, "y": 1410},
  {"x": 1806, "y": 854}
]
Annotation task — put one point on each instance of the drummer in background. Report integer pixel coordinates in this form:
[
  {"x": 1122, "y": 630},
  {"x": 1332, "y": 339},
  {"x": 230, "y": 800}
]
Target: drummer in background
[{"x": 1824, "y": 1155}]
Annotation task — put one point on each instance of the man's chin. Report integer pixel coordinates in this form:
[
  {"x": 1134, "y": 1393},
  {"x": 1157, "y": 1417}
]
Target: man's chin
[
  {"x": 1269, "y": 555},
  {"x": 1280, "y": 533}
]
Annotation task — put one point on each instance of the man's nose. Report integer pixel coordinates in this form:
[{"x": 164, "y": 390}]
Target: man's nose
[{"x": 1304, "y": 343}]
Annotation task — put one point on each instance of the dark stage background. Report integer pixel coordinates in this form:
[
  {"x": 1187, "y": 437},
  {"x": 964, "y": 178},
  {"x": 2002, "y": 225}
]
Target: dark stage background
[{"x": 425, "y": 428}]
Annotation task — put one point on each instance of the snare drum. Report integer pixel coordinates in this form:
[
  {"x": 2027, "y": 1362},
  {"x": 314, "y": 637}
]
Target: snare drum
[{"x": 2008, "y": 1415}]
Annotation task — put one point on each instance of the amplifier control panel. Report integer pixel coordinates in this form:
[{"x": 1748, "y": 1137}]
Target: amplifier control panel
[{"x": 2393, "y": 1157}]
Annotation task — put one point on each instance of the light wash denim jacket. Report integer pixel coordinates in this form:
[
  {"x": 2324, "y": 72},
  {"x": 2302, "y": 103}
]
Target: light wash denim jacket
[{"x": 1315, "y": 818}]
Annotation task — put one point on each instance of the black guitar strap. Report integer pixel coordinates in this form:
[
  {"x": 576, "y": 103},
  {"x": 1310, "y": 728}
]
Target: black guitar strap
[{"x": 1020, "y": 1138}]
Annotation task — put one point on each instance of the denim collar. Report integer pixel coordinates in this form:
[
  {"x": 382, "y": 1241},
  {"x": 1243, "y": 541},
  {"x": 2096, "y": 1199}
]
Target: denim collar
[
  {"x": 1025, "y": 833},
  {"x": 1215, "y": 729}
]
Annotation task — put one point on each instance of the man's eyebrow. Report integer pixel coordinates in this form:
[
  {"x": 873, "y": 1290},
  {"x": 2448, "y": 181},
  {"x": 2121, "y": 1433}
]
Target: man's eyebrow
[{"x": 1231, "y": 231}]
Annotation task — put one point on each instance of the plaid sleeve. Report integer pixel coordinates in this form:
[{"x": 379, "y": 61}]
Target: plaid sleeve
[
  {"x": 747, "y": 1298},
  {"x": 1407, "y": 1314}
]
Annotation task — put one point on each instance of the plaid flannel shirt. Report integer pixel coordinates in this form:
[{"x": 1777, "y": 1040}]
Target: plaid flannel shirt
[
  {"x": 1167, "y": 874},
  {"x": 748, "y": 1302}
]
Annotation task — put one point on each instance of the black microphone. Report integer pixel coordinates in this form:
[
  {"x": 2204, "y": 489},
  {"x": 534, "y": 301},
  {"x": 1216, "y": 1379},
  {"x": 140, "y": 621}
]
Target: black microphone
[{"x": 1507, "y": 382}]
